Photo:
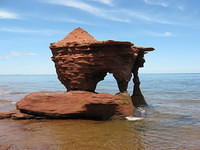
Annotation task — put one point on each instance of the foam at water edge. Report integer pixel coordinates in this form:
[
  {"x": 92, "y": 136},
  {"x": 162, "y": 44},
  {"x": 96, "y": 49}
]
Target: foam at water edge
[
  {"x": 13, "y": 103},
  {"x": 140, "y": 112},
  {"x": 4, "y": 91},
  {"x": 131, "y": 118}
]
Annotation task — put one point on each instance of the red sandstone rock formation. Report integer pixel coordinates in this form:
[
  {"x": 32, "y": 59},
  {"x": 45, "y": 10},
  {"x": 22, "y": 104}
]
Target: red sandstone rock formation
[
  {"x": 77, "y": 104},
  {"x": 81, "y": 62},
  {"x": 137, "y": 97}
]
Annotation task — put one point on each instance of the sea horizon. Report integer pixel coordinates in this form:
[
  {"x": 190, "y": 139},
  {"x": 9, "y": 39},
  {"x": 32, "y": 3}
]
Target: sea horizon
[{"x": 173, "y": 112}]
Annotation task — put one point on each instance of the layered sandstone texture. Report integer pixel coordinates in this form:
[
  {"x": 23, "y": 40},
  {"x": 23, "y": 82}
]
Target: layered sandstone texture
[
  {"x": 77, "y": 104},
  {"x": 81, "y": 61}
]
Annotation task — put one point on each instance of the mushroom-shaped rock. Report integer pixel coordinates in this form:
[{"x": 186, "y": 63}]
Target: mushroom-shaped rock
[{"x": 81, "y": 61}]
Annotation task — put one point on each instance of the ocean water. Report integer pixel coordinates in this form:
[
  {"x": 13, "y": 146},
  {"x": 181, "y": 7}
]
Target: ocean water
[{"x": 170, "y": 122}]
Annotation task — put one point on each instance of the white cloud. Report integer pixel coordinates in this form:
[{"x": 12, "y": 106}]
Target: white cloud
[
  {"x": 32, "y": 31},
  {"x": 120, "y": 15},
  {"x": 145, "y": 17},
  {"x": 106, "y": 14},
  {"x": 17, "y": 54},
  {"x": 163, "y": 3},
  {"x": 157, "y": 2},
  {"x": 69, "y": 20},
  {"x": 117, "y": 14},
  {"x": 8, "y": 15},
  {"x": 107, "y": 2},
  {"x": 75, "y": 4},
  {"x": 164, "y": 34}
]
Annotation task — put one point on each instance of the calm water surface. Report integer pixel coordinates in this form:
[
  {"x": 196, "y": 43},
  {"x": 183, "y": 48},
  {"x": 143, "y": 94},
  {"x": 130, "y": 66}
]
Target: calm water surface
[{"x": 171, "y": 122}]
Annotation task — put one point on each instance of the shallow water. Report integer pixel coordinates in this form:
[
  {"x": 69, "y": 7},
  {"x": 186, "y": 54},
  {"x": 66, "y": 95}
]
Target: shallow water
[{"x": 171, "y": 121}]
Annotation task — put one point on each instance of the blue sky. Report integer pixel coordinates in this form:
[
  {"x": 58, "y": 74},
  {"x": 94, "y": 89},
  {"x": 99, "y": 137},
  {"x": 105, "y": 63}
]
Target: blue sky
[{"x": 172, "y": 27}]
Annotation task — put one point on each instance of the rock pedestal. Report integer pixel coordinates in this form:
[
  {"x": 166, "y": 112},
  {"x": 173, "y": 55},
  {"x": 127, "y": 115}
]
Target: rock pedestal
[{"x": 77, "y": 104}]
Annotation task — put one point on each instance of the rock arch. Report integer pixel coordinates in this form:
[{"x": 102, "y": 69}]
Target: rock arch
[{"x": 81, "y": 61}]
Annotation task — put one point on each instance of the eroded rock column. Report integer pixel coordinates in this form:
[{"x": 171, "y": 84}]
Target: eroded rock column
[
  {"x": 137, "y": 97},
  {"x": 122, "y": 82}
]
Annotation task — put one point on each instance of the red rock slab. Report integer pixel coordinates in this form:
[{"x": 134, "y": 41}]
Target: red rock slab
[{"x": 77, "y": 104}]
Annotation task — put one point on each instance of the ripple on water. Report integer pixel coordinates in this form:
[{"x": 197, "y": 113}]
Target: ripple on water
[
  {"x": 86, "y": 135},
  {"x": 172, "y": 122}
]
